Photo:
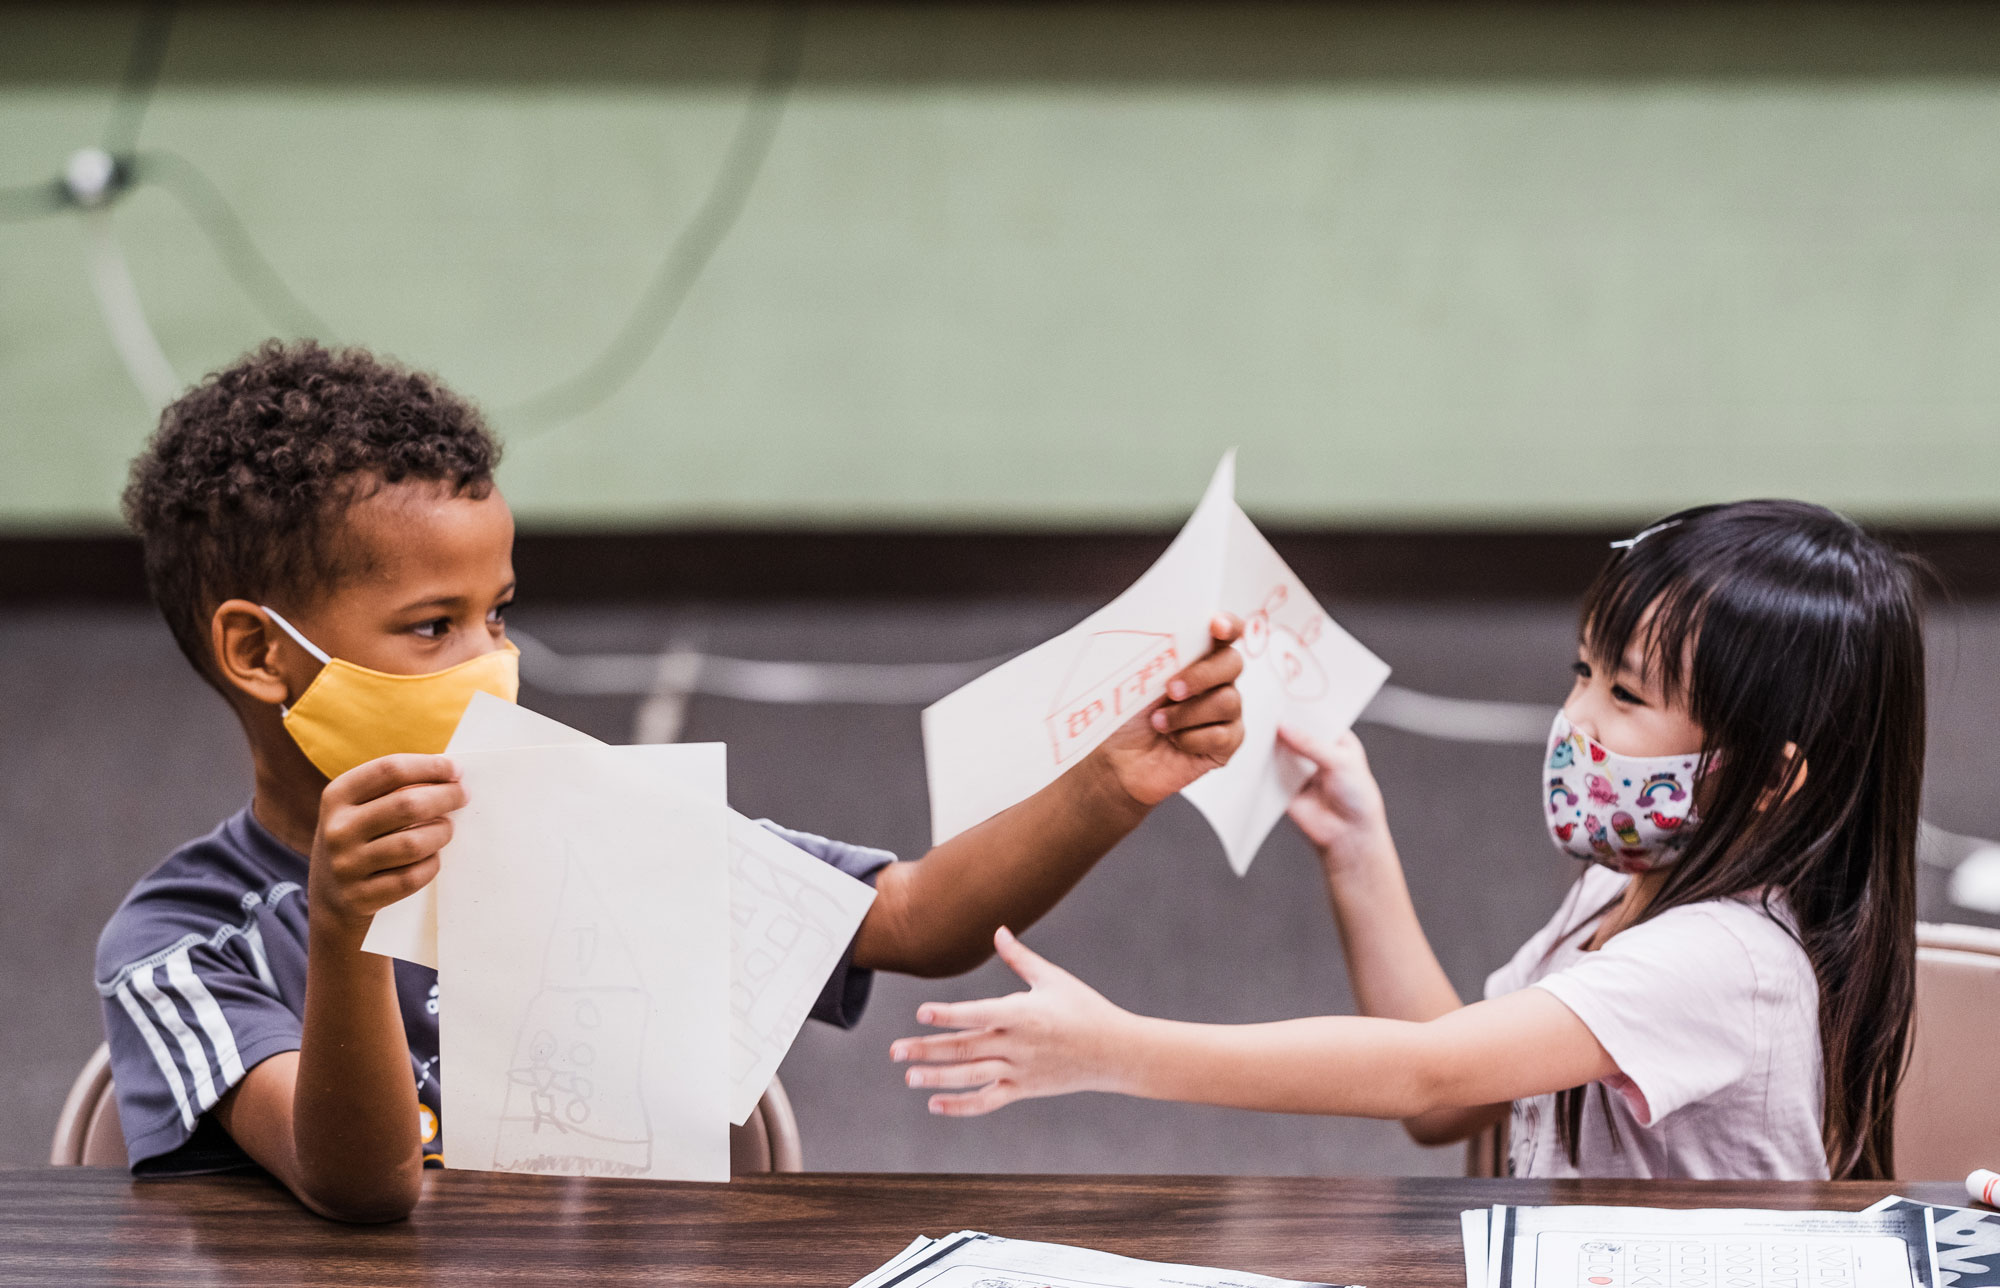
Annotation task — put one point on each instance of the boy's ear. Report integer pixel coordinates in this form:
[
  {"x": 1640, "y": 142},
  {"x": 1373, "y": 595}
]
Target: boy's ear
[{"x": 245, "y": 647}]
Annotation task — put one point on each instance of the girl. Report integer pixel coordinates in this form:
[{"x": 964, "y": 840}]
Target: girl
[{"x": 1726, "y": 990}]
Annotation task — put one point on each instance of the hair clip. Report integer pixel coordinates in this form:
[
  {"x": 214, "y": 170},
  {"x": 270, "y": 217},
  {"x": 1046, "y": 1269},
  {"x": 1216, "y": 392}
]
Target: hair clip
[{"x": 1629, "y": 542}]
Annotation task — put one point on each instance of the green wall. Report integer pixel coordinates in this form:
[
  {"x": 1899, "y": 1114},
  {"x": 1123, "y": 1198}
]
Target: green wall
[{"x": 1041, "y": 264}]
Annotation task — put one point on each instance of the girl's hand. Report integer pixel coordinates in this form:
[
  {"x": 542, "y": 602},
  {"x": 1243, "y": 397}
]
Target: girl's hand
[
  {"x": 1195, "y": 726},
  {"x": 1340, "y": 808},
  {"x": 1059, "y": 1036}
]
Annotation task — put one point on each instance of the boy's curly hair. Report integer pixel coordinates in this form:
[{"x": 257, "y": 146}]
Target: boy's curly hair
[{"x": 239, "y": 491}]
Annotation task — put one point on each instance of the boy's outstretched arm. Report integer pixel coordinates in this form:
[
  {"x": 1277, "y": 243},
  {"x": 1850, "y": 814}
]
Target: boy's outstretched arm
[
  {"x": 937, "y": 916},
  {"x": 1061, "y": 1036},
  {"x": 336, "y": 1120}
]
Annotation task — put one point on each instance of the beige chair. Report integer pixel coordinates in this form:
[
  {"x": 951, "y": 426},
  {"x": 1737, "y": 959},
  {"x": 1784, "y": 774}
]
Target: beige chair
[
  {"x": 1486, "y": 1153},
  {"x": 88, "y": 1134},
  {"x": 1948, "y": 1113}
]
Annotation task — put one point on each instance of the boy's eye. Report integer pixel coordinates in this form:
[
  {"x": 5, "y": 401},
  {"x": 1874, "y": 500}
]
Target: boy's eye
[
  {"x": 499, "y": 613},
  {"x": 1581, "y": 668},
  {"x": 435, "y": 628},
  {"x": 1625, "y": 695}
]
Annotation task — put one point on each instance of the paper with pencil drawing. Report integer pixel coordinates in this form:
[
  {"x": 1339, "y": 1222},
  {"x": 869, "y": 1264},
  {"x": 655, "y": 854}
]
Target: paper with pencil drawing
[
  {"x": 582, "y": 905},
  {"x": 1014, "y": 730},
  {"x": 790, "y": 916}
]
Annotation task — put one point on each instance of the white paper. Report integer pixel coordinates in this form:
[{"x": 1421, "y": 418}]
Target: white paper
[
  {"x": 791, "y": 916},
  {"x": 970, "y": 1259},
  {"x": 790, "y": 919},
  {"x": 1627, "y": 1247},
  {"x": 1965, "y": 1242},
  {"x": 584, "y": 949},
  {"x": 407, "y": 928},
  {"x": 1014, "y": 730},
  {"x": 1472, "y": 1228}
]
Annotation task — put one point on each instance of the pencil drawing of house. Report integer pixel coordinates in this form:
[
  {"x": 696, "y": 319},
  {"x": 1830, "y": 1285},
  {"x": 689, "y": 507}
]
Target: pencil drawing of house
[{"x": 575, "y": 1102}]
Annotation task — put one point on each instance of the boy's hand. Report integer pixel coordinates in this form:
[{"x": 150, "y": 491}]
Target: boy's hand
[
  {"x": 1059, "y": 1036},
  {"x": 381, "y": 826},
  {"x": 1195, "y": 727},
  {"x": 1340, "y": 808}
]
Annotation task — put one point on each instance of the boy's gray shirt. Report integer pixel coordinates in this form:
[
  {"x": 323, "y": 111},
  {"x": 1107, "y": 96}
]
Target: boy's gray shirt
[{"x": 202, "y": 971}]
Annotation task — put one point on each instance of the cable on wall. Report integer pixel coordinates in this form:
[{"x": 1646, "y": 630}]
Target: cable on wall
[
  {"x": 141, "y": 80},
  {"x": 116, "y": 168},
  {"x": 226, "y": 231},
  {"x": 691, "y": 251}
]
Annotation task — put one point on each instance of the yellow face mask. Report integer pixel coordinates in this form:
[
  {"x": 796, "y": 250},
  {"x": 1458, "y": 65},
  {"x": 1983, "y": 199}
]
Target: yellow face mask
[{"x": 350, "y": 715}]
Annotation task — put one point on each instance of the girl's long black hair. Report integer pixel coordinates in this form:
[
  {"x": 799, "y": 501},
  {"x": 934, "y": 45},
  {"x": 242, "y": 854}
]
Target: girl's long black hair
[{"x": 1796, "y": 639}]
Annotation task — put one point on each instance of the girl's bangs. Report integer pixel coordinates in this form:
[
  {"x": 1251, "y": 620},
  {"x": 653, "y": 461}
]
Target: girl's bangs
[{"x": 1646, "y": 596}]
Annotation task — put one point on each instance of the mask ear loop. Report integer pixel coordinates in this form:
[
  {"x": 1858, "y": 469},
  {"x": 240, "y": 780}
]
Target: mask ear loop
[{"x": 284, "y": 709}]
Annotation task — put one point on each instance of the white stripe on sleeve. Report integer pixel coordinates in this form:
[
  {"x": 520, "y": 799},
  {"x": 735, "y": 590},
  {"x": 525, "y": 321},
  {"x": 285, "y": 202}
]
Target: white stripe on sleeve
[
  {"x": 180, "y": 974},
  {"x": 170, "y": 1016},
  {"x": 255, "y": 938},
  {"x": 161, "y": 1056}
]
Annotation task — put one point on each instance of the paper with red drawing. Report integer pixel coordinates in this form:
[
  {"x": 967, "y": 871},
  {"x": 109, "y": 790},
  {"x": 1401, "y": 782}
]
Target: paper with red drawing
[{"x": 1014, "y": 730}]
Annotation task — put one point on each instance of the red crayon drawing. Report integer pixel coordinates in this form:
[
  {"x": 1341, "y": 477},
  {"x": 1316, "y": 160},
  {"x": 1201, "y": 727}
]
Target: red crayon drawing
[
  {"x": 1115, "y": 675},
  {"x": 1287, "y": 648}
]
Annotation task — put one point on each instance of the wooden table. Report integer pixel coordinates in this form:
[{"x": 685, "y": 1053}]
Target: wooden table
[{"x": 76, "y": 1226}]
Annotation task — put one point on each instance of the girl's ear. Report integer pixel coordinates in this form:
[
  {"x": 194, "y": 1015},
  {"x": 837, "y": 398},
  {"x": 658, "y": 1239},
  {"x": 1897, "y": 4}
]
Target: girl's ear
[{"x": 1791, "y": 776}]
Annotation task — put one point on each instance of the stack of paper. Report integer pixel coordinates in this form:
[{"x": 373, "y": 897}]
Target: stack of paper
[
  {"x": 1633, "y": 1247},
  {"x": 1014, "y": 730},
  {"x": 970, "y": 1259},
  {"x": 1966, "y": 1240},
  {"x": 622, "y": 959}
]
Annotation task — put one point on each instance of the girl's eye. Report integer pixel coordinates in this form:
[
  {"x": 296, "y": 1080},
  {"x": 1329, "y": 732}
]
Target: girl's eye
[
  {"x": 1625, "y": 695},
  {"x": 434, "y": 629},
  {"x": 1581, "y": 668},
  {"x": 499, "y": 613}
]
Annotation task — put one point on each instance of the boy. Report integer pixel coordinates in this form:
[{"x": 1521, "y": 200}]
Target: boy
[{"x": 323, "y": 536}]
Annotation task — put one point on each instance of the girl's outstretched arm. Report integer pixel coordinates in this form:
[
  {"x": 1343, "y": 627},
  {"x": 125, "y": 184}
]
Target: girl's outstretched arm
[
  {"x": 1389, "y": 960},
  {"x": 1390, "y": 963},
  {"x": 1062, "y": 1036}
]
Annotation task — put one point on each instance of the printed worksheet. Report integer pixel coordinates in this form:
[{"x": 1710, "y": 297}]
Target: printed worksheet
[
  {"x": 970, "y": 1259},
  {"x": 790, "y": 916},
  {"x": 1966, "y": 1240},
  {"x": 583, "y": 947},
  {"x": 1611, "y": 1247},
  {"x": 1472, "y": 1229},
  {"x": 1014, "y": 730}
]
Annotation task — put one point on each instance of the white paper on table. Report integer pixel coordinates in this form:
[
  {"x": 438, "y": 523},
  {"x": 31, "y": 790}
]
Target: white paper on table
[
  {"x": 1628, "y": 1247},
  {"x": 791, "y": 916},
  {"x": 1014, "y": 730},
  {"x": 584, "y": 947},
  {"x": 970, "y": 1259},
  {"x": 407, "y": 928},
  {"x": 1472, "y": 1228}
]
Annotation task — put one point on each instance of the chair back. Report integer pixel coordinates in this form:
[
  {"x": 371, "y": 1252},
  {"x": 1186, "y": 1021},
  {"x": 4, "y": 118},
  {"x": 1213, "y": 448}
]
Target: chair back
[
  {"x": 1948, "y": 1112},
  {"x": 87, "y": 1130},
  {"x": 768, "y": 1140},
  {"x": 1486, "y": 1150},
  {"x": 88, "y": 1134}
]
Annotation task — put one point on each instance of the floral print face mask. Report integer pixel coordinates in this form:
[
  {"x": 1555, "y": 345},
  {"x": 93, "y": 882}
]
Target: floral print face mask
[{"x": 1630, "y": 813}]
